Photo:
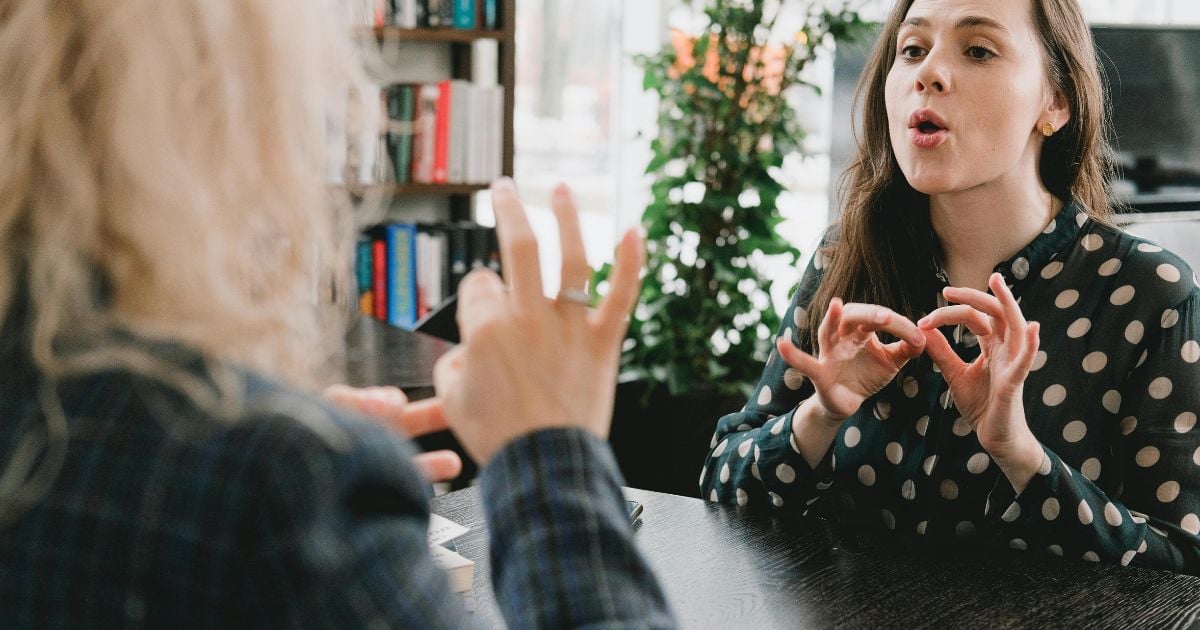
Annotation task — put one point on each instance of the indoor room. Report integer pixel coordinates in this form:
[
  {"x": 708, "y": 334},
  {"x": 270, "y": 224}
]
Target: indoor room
[{"x": 620, "y": 314}]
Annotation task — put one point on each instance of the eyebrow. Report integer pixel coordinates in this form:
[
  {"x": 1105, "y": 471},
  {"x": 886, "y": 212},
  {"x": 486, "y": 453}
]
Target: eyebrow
[{"x": 970, "y": 21}]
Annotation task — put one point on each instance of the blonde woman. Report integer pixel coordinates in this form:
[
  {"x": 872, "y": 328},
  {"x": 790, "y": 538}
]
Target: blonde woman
[
  {"x": 982, "y": 357},
  {"x": 163, "y": 230}
]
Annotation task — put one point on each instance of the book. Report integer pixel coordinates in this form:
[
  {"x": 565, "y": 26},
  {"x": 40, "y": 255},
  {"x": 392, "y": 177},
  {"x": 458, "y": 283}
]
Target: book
[
  {"x": 490, "y": 20},
  {"x": 402, "y": 274},
  {"x": 464, "y": 14},
  {"x": 441, "y": 148},
  {"x": 362, "y": 276},
  {"x": 379, "y": 278},
  {"x": 460, "y": 570},
  {"x": 424, "y": 147},
  {"x": 434, "y": 12},
  {"x": 400, "y": 131},
  {"x": 460, "y": 130},
  {"x": 458, "y": 256}
]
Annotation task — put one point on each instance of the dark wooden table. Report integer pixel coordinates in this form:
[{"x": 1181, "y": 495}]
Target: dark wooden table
[
  {"x": 728, "y": 569},
  {"x": 380, "y": 354}
]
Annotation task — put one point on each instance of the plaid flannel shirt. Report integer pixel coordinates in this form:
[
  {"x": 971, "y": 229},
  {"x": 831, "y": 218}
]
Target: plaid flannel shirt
[{"x": 290, "y": 513}]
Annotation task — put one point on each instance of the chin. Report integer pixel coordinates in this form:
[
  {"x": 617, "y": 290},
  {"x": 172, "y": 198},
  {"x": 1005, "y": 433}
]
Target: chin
[{"x": 930, "y": 181}]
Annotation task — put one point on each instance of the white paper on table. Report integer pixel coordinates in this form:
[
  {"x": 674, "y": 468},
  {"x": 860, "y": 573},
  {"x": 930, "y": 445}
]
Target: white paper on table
[{"x": 442, "y": 529}]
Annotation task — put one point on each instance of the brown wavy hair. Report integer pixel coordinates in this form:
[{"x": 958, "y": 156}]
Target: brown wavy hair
[{"x": 881, "y": 250}]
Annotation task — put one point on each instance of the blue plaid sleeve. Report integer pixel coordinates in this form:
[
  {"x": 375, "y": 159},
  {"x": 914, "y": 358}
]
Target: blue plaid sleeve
[
  {"x": 562, "y": 551},
  {"x": 339, "y": 537}
]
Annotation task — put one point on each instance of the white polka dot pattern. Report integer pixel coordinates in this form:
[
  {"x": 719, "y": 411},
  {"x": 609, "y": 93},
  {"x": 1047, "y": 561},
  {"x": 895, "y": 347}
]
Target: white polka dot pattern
[
  {"x": 1190, "y": 351},
  {"x": 866, "y": 475},
  {"x": 1067, "y": 298},
  {"x": 1120, "y": 349},
  {"x": 1122, "y": 296},
  {"x": 1111, "y": 401},
  {"x": 1050, "y": 509},
  {"x": 1054, "y": 395},
  {"x": 1110, "y": 267},
  {"x": 1134, "y": 332}
]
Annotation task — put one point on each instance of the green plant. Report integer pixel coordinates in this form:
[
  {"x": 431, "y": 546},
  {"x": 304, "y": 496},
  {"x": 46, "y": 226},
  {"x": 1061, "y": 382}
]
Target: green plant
[{"x": 705, "y": 323}]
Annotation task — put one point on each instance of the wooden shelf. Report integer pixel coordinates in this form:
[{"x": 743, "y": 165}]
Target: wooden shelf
[
  {"x": 443, "y": 35},
  {"x": 413, "y": 190}
]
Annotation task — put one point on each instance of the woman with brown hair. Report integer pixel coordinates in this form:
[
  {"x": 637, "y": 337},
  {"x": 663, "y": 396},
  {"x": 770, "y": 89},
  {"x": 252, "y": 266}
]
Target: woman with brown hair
[{"x": 975, "y": 353}]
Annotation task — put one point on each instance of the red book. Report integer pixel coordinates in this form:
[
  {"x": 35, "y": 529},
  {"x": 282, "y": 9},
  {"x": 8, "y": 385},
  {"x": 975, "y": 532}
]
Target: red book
[
  {"x": 379, "y": 278},
  {"x": 441, "y": 148}
]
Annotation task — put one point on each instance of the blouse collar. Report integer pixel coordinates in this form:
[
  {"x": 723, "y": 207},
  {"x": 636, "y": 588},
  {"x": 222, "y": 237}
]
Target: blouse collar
[{"x": 1057, "y": 236}]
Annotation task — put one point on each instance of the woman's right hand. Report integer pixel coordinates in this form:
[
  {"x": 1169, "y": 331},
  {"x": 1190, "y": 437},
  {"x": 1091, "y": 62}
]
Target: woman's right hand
[{"x": 852, "y": 363}]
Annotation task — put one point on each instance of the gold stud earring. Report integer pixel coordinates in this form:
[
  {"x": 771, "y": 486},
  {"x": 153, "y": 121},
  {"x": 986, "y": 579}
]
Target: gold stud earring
[{"x": 1048, "y": 129}]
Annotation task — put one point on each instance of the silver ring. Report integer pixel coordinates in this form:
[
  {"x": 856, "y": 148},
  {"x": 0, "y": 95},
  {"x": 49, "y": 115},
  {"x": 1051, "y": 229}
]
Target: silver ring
[{"x": 574, "y": 296}]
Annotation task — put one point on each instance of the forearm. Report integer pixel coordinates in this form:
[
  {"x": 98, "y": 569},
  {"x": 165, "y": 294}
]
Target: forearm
[
  {"x": 562, "y": 548},
  {"x": 1064, "y": 513}
]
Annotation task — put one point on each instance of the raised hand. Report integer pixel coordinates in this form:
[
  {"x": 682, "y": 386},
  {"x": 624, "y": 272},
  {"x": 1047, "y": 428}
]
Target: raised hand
[
  {"x": 853, "y": 363},
  {"x": 988, "y": 391},
  {"x": 390, "y": 406},
  {"x": 528, "y": 363}
]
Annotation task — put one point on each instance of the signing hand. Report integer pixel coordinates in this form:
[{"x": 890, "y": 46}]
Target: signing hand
[
  {"x": 853, "y": 363},
  {"x": 988, "y": 391},
  {"x": 527, "y": 363},
  {"x": 390, "y": 406}
]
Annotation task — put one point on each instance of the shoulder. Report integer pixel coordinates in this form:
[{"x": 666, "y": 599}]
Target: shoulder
[
  {"x": 1158, "y": 277},
  {"x": 306, "y": 454},
  {"x": 256, "y": 452}
]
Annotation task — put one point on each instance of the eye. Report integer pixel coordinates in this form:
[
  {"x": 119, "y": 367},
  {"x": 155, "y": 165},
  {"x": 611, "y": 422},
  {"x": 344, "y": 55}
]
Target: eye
[
  {"x": 912, "y": 52},
  {"x": 979, "y": 53}
]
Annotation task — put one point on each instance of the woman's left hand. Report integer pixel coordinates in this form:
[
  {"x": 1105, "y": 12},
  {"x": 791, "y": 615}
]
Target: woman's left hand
[
  {"x": 988, "y": 391},
  {"x": 388, "y": 405}
]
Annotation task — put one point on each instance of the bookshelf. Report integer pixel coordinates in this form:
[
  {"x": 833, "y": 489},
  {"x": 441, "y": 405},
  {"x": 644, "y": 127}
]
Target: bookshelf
[
  {"x": 409, "y": 260},
  {"x": 444, "y": 35},
  {"x": 456, "y": 199}
]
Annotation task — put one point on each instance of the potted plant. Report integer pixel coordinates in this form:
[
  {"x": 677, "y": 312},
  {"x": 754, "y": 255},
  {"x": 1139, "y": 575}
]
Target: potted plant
[{"x": 704, "y": 324}]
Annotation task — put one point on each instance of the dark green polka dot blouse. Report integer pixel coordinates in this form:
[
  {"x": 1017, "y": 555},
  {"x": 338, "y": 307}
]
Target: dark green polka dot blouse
[{"x": 1112, "y": 396}]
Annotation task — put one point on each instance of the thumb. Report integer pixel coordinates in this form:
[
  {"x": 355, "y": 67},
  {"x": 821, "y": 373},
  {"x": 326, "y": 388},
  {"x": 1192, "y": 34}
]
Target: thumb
[{"x": 942, "y": 354}]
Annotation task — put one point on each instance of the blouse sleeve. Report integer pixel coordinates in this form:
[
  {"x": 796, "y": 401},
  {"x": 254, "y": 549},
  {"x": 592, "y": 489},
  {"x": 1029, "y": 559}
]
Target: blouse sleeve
[
  {"x": 1152, "y": 520},
  {"x": 753, "y": 458}
]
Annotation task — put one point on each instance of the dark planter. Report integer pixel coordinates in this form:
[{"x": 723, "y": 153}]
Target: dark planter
[{"x": 660, "y": 441}]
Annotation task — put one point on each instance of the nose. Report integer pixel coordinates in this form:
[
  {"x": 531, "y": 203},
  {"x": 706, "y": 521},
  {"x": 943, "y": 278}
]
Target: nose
[{"x": 933, "y": 74}]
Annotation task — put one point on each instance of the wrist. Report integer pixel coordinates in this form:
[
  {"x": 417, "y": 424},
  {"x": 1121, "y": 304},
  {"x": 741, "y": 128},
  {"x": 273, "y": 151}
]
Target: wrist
[
  {"x": 813, "y": 412},
  {"x": 813, "y": 430},
  {"x": 1021, "y": 462}
]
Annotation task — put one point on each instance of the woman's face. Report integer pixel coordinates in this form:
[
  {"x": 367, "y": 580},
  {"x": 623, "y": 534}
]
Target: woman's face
[{"x": 968, "y": 94}]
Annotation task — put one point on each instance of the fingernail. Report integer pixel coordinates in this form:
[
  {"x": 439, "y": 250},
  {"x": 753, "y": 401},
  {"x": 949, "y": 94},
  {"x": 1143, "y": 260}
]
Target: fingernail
[
  {"x": 561, "y": 191},
  {"x": 503, "y": 184}
]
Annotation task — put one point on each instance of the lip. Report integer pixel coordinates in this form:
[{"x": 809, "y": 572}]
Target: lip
[
  {"x": 926, "y": 140},
  {"x": 926, "y": 115}
]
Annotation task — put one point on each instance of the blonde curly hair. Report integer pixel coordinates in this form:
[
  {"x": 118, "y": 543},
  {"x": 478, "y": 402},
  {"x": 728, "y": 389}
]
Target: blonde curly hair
[{"x": 163, "y": 172}]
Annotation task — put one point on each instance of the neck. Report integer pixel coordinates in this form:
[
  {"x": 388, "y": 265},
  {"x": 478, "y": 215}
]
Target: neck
[{"x": 984, "y": 226}]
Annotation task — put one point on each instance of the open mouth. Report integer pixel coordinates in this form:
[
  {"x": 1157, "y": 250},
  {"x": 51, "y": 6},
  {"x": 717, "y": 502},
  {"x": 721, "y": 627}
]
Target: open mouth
[{"x": 928, "y": 128}]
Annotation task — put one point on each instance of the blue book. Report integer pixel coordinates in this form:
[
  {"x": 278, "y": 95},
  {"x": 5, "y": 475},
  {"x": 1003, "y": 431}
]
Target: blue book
[
  {"x": 464, "y": 14},
  {"x": 362, "y": 276},
  {"x": 489, "y": 14},
  {"x": 402, "y": 274}
]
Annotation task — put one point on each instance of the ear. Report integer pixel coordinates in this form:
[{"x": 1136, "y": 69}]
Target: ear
[{"x": 1057, "y": 112}]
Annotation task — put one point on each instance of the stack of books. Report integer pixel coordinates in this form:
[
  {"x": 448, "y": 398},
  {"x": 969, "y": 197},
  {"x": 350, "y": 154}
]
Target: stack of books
[
  {"x": 406, "y": 270},
  {"x": 450, "y": 132},
  {"x": 461, "y": 14}
]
